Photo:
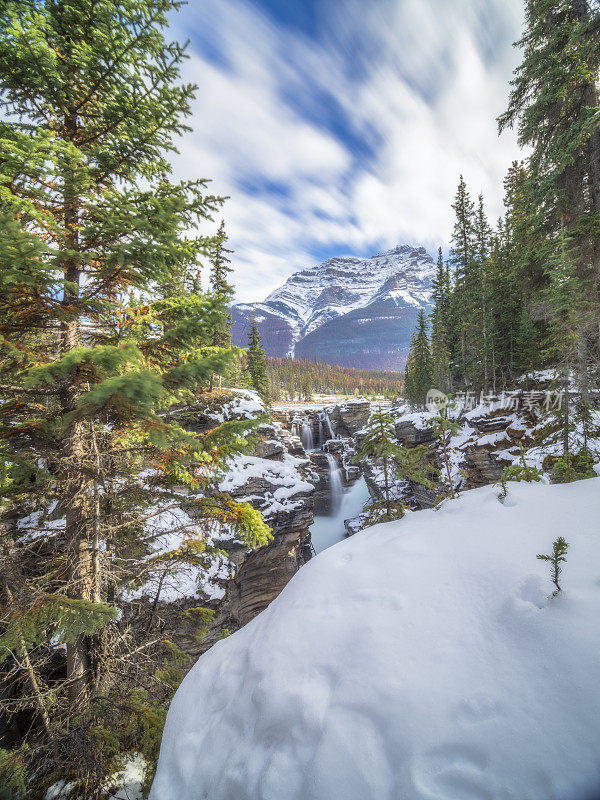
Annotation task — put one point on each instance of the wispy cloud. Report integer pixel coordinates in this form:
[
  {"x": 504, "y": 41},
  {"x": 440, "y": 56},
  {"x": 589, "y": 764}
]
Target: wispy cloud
[{"x": 351, "y": 137}]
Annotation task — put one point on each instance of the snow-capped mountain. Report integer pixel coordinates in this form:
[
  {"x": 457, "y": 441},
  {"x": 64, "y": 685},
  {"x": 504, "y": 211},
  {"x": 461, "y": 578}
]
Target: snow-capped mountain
[{"x": 359, "y": 312}]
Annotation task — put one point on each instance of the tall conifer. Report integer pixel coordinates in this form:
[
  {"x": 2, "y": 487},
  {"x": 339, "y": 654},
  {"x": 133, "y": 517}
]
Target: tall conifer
[
  {"x": 554, "y": 105},
  {"x": 418, "y": 373},
  {"x": 440, "y": 321},
  {"x": 98, "y": 338},
  {"x": 257, "y": 363},
  {"x": 462, "y": 256},
  {"x": 220, "y": 286}
]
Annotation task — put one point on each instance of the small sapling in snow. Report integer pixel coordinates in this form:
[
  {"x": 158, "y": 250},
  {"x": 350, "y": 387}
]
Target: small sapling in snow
[{"x": 558, "y": 556}]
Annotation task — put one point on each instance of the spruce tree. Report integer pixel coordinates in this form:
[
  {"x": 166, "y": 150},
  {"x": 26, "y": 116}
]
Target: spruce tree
[
  {"x": 418, "y": 373},
  {"x": 554, "y": 105},
  {"x": 572, "y": 310},
  {"x": 483, "y": 236},
  {"x": 440, "y": 322},
  {"x": 444, "y": 428},
  {"x": 223, "y": 291},
  {"x": 516, "y": 281},
  {"x": 220, "y": 286},
  {"x": 95, "y": 350},
  {"x": 462, "y": 256},
  {"x": 556, "y": 558},
  {"x": 257, "y": 363}
]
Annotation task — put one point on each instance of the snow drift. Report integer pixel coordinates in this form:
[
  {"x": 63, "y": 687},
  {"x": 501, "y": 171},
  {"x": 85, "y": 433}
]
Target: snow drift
[{"x": 418, "y": 660}]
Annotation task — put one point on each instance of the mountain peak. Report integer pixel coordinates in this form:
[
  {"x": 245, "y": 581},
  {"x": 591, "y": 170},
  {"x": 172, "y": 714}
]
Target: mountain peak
[{"x": 347, "y": 310}]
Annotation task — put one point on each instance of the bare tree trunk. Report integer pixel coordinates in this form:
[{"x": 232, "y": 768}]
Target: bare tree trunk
[
  {"x": 566, "y": 412},
  {"x": 95, "y": 594}
]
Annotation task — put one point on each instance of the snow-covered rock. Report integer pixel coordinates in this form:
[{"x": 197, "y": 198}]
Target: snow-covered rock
[
  {"x": 350, "y": 417},
  {"x": 423, "y": 659}
]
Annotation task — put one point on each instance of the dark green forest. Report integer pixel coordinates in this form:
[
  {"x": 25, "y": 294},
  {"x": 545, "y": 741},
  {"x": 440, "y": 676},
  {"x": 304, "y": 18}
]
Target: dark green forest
[{"x": 521, "y": 293}]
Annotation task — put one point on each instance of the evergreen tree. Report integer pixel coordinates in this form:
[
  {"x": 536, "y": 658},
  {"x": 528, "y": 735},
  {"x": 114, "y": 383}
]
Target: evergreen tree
[
  {"x": 462, "y": 255},
  {"x": 418, "y": 374},
  {"x": 440, "y": 322},
  {"x": 257, "y": 363},
  {"x": 556, "y": 558},
  {"x": 220, "y": 286},
  {"x": 571, "y": 310},
  {"x": 516, "y": 279},
  {"x": 554, "y": 103},
  {"x": 95, "y": 352},
  {"x": 380, "y": 446},
  {"x": 223, "y": 291},
  {"x": 444, "y": 428},
  {"x": 483, "y": 236}
]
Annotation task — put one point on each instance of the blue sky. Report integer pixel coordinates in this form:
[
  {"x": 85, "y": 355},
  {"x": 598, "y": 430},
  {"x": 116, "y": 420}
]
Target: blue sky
[{"x": 342, "y": 126}]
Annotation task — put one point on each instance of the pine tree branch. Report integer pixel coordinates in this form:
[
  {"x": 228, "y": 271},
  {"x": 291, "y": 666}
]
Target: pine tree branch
[
  {"x": 116, "y": 60},
  {"x": 22, "y": 390}
]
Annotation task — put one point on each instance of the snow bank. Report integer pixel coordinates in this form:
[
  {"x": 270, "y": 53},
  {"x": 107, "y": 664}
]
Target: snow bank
[
  {"x": 417, "y": 660},
  {"x": 245, "y": 404}
]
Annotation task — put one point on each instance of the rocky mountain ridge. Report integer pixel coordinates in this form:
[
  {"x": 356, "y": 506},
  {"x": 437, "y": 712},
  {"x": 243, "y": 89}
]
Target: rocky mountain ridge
[{"x": 357, "y": 312}]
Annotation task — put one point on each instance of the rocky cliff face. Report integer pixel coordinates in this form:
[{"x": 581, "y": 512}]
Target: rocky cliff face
[
  {"x": 274, "y": 481},
  {"x": 276, "y": 477},
  {"x": 351, "y": 311}
]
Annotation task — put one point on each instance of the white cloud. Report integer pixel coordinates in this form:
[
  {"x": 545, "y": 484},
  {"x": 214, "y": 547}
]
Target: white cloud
[{"x": 419, "y": 81}]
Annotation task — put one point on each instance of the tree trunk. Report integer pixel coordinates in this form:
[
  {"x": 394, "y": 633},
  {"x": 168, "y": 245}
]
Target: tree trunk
[
  {"x": 566, "y": 412},
  {"x": 77, "y": 489},
  {"x": 387, "y": 488}
]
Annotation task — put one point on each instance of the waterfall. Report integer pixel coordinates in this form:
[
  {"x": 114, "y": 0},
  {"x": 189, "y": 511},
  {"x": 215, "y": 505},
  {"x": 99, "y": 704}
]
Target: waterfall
[
  {"x": 325, "y": 419},
  {"x": 326, "y": 531},
  {"x": 321, "y": 432},
  {"x": 307, "y": 437},
  {"x": 335, "y": 483}
]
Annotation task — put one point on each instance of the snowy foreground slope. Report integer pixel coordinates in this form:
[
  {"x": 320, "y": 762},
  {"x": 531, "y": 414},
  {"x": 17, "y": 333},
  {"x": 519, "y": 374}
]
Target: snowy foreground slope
[{"x": 418, "y": 660}]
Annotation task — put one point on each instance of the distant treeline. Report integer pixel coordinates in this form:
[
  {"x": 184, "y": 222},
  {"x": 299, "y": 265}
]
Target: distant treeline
[{"x": 298, "y": 378}]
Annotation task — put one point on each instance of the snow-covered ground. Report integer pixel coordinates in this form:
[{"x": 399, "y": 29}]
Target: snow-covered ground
[{"x": 423, "y": 659}]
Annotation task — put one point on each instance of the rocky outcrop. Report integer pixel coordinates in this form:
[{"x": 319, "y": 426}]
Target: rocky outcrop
[
  {"x": 269, "y": 444},
  {"x": 350, "y": 417},
  {"x": 277, "y": 485},
  {"x": 412, "y": 428},
  {"x": 263, "y": 573},
  {"x": 277, "y": 478},
  {"x": 481, "y": 468}
]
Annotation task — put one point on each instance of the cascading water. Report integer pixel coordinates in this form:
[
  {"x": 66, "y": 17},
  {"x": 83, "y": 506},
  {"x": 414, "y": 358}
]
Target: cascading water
[
  {"x": 306, "y": 436},
  {"x": 326, "y": 422},
  {"x": 326, "y": 531},
  {"x": 335, "y": 484},
  {"x": 345, "y": 504}
]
